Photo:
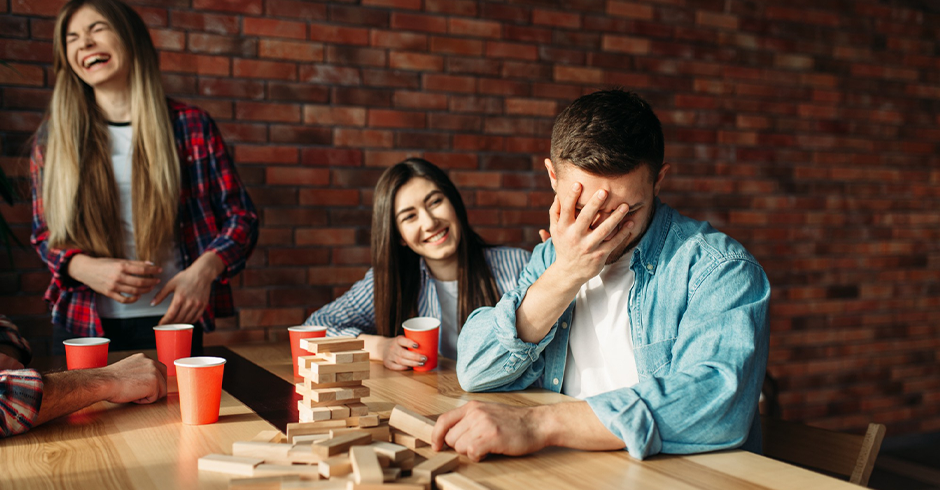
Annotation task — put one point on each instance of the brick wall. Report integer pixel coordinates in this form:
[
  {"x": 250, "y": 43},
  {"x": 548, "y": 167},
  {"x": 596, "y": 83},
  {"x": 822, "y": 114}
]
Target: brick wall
[{"x": 807, "y": 130}]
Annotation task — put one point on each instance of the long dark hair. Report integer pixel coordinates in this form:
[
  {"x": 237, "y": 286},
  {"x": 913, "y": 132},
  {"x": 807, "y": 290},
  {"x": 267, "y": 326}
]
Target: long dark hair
[{"x": 395, "y": 267}]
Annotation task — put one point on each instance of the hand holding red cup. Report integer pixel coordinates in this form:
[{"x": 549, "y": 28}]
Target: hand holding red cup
[{"x": 424, "y": 331}]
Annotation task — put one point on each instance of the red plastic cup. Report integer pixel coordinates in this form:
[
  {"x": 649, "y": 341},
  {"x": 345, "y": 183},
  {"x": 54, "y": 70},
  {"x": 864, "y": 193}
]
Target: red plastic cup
[
  {"x": 302, "y": 332},
  {"x": 425, "y": 331},
  {"x": 200, "y": 383},
  {"x": 173, "y": 342},
  {"x": 86, "y": 352}
]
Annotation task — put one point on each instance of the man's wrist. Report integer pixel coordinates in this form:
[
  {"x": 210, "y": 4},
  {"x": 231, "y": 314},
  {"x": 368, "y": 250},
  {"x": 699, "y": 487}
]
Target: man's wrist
[{"x": 546, "y": 425}]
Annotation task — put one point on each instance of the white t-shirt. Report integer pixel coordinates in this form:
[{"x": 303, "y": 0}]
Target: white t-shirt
[
  {"x": 121, "y": 135},
  {"x": 447, "y": 294},
  {"x": 600, "y": 347}
]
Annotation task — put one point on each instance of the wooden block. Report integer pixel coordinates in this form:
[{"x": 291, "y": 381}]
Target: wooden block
[
  {"x": 331, "y": 378},
  {"x": 318, "y": 413},
  {"x": 264, "y": 483},
  {"x": 347, "y": 356},
  {"x": 269, "y": 436},
  {"x": 335, "y": 466},
  {"x": 310, "y": 404},
  {"x": 411, "y": 422},
  {"x": 305, "y": 471},
  {"x": 310, "y": 428},
  {"x": 223, "y": 463},
  {"x": 319, "y": 345},
  {"x": 352, "y": 376},
  {"x": 385, "y": 486},
  {"x": 328, "y": 394},
  {"x": 438, "y": 464},
  {"x": 341, "y": 443},
  {"x": 311, "y": 384},
  {"x": 456, "y": 481},
  {"x": 311, "y": 438},
  {"x": 317, "y": 365},
  {"x": 407, "y": 464},
  {"x": 303, "y": 454},
  {"x": 390, "y": 474},
  {"x": 358, "y": 409},
  {"x": 379, "y": 433},
  {"x": 408, "y": 440},
  {"x": 340, "y": 412},
  {"x": 371, "y": 420},
  {"x": 315, "y": 485},
  {"x": 268, "y": 451},
  {"x": 365, "y": 463},
  {"x": 395, "y": 452},
  {"x": 422, "y": 483}
]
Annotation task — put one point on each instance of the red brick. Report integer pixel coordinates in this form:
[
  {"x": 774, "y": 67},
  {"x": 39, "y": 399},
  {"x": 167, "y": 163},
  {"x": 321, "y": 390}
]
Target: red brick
[
  {"x": 252, "y": 7},
  {"x": 511, "y": 50},
  {"x": 367, "y": 97},
  {"x": 296, "y": 9},
  {"x": 630, "y": 10},
  {"x": 624, "y": 44},
  {"x": 266, "y": 154},
  {"x": 296, "y": 176},
  {"x": 290, "y": 50},
  {"x": 22, "y": 50},
  {"x": 476, "y": 66},
  {"x": 415, "y": 61},
  {"x": 363, "y": 138},
  {"x": 329, "y": 197},
  {"x": 479, "y": 142},
  {"x": 380, "y": 158},
  {"x": 298, "y": 256},
  {"x": 294, "y": 216},
  {"x": 539, "y": 35},
  {"x": 475, "y": 28},
  {"x": 340, "y": 75},
  {"x": 235, "y": 132},
  {"x": 165, "y": 39},
  {"x": 20, "y": 74},
  {"x": 227, "y": 87},
  {"x": 254, "y": 26},
  {"x": 383, "y": 118},
  {"x": 334, "y": 116},
  {"x": 265, "y": 111},
  {"x": 339, "y": 34},
  {"x": 452, "y": 160},
  {"x": 519, "y": 144},
  {"x": 331, "y": 157},
  {"x": 395, "y": 4},
  {"x": 216, "y": 44},
  {"x": 300, "y": 135},
  {"x": 464, "y": 8},
  {"x": 326, "y": 236},
  {"x": 422, "y": 140},
  {"x": 502, "y": 198},
  {"x": 531, "y": 107},
  {"x": 475, "y": 104},
  {"x": 359, "y": 16},
  {"x": 449, "y": 83},
  {"x": 556, "y": 19},
  {"x": 45, "y": 8},
  {"x": 350, "y": 256},
  {"x": 504, "y": 87},
  {"x": 335, "y": 275},
  {"x": 454, "y": 122},
  {"x": 419, "y": 100},
  {"x": 578, "y": 75},
  {"x": 194, "y": 63},
  {"x": 356, "y": 56},
  {"x": 465, "y": 180},
  {"x": 513, "y": 126},
  {"x": 418, "y": 22},
  {"x": 399, "y": 40},
  {"x": 714, "y": 19},
  {"x": 197, "y": 21},
  {"x": 266, "y": 317},
  {"x": 448, "y": 45},
  {"x": 264, "y": 69}
]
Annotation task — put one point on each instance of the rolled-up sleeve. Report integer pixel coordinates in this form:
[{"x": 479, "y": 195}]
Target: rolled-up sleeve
[
  {"x": 351, "y": 314},
  {"x": 20, "y": 398}
]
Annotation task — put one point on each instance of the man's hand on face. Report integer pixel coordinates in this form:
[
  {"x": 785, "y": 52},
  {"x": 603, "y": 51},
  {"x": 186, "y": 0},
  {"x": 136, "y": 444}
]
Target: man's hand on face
[{"x": 582, "y": 240}]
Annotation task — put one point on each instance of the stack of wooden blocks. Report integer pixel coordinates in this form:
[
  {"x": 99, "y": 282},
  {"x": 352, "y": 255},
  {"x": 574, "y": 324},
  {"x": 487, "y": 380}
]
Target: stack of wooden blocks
[
  {"x": 316, "y": 456},
  {"x": 332, "y": 387}
]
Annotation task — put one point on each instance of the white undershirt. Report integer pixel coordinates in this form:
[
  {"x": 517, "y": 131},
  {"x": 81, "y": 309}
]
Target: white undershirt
[
  {"x": 600, "y": 347},
  {"x": 121, "y": 163},
  {"x": 447, "y": 295}
]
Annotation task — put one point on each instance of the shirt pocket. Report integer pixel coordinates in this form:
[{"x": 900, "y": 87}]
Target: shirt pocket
[{"x": 653, "y": 359}]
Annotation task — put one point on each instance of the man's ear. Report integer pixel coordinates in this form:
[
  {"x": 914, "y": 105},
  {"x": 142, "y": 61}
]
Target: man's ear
[
  {"x": 660, "y": 178},
  {"x": 551, "y": 173}
]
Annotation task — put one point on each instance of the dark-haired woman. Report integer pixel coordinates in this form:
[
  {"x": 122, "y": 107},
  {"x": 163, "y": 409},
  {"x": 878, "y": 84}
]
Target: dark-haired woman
[{"x": 426, "y": 261}]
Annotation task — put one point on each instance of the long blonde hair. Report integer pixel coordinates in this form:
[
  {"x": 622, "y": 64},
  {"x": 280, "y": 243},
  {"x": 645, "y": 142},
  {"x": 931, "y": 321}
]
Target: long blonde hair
[{"x": 80, "y": 196}]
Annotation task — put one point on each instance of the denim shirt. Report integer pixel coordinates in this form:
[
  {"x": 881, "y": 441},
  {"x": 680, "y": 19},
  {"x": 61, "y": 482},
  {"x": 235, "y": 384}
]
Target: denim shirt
[{"x": 700, "y": 334}]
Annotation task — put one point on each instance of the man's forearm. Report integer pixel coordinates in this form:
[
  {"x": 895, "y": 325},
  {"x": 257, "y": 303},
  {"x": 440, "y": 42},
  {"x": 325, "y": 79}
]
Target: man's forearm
[
  {"x": 574, "y": 425},
  {"x": 68, "y": 391},
  {"x": 544, "y": 303}
]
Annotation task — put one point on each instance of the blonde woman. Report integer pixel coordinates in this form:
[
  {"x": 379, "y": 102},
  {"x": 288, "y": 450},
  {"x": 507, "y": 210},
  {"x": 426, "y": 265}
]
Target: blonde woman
[{"x": 137, "y": 208}]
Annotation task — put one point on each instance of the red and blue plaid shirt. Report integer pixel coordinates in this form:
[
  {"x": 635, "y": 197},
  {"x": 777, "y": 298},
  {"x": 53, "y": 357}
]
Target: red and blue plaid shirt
[
  {"x": 20, "y": 389},
  {"x": 215, "y": 215}
]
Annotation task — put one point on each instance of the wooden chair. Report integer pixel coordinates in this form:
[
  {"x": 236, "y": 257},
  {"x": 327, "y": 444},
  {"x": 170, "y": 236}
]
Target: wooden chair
[{"x": 846, "y": 455}]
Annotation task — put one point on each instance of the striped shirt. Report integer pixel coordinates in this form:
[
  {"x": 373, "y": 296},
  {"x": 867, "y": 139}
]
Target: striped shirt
[
  {"x": 20, "y": 389},
  {"x": 353, "y": 313}
]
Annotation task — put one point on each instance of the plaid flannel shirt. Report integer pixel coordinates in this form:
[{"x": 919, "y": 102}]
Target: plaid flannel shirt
[
  {"x": 215, "y": 215},
  {"x": 20, "y": 389}
]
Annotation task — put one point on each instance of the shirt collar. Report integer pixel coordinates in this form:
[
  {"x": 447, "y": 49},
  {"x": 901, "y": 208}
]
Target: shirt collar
[{"x": 651, "y": 245}]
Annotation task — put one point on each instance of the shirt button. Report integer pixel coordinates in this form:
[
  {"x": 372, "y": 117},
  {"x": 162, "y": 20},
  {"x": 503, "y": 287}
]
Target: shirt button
[
  {"x": 649, "y": 267},
  {"x": 564, "y": 325},
  {"x": 555, "y": 381}
]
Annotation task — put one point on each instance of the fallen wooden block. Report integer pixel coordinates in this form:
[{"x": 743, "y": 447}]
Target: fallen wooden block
[
  {"x": 311, "y": 438},
  {"x": 314, "y": 485},
  {"x": 319, "y": 345},
  {"x": 358, "y": 409},
  {"x": 268, "y": 436},
  {"x": 223, "y": 463},
  {"x": 384, "y": 486},
  {"x": 379, "y": 433},
  {"x": 415, "y": 482},
  {"x": 438, "y": 464},
  {"x": 264, "y": 483},
  {"x": 303, "y": 454},
  {"x": 412, "y": 423},
  {"x": 396, "y": 453},
  {"x": 408, "y": 440},
  {"x": 365, "y": 463},
  {"x": 456, "y": 481},
  {"x": 268, "y": 451},
  {"x": 341, "y": 443},
  {"x": 347, "y": 357},
  {"x": 305, "y": 471},
  {"x": 390, "y": 474},
  {"x": 335, "y": 466},
  {"x": 310, "y": 428}
]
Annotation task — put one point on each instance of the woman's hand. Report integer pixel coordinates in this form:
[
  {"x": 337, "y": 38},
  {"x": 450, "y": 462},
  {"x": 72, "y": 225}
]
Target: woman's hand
[
  {"x": 121, "y": 280},
  {"x": 397, "y": 357},
  {"x": 191, "y": 289}
]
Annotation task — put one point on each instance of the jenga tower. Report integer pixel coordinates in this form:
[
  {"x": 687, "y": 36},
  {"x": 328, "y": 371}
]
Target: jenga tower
[{"x": 333, "y": 375}]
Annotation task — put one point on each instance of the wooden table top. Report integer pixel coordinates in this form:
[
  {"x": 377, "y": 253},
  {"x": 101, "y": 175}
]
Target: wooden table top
[{"x": 147, "y": 447}]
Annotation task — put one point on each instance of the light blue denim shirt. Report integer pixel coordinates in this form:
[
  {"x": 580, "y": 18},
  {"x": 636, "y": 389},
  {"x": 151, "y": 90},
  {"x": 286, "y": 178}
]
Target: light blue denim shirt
[{"x": 700, "y": 334}]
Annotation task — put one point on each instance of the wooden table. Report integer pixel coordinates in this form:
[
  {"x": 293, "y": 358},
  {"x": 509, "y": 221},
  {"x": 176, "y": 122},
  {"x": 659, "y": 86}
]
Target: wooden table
[{"x": 145, "y": 446}]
